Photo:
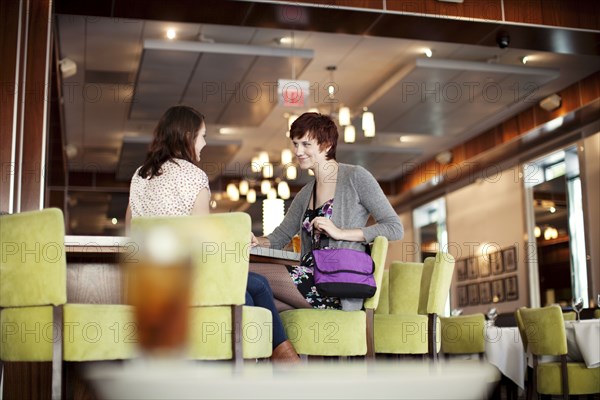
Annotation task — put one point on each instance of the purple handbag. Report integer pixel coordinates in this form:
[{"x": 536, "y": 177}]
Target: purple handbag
[{"x": 344, "y": 273}]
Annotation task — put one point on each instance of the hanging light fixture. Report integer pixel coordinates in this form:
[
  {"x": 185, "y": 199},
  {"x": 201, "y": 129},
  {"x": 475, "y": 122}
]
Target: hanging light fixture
[
  {"x": 291, "y": 172},
  {"x": 272, "y": 194},
  {"x": 255, "y": 164},
  {"x": 368, "y": 123},
  {"x": 263, "y": 157},
  {"x": 251, "y": 196},
  {"x": 265, "y": 186},
  {"x": 267, "y": 170},
  {"x": 349, "y": 134},
  {"x": 232, "y": 192},
  {"x": 344, "y": 116},
  {"x": 244, "y": 187},
  {"x": 283, "y": 190},
  {"x": 286, "y": 156}
]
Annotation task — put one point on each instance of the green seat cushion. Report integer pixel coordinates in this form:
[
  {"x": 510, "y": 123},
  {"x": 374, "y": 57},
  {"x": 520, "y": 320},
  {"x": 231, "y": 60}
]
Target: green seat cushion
[
  {"x": 402, "y": 334},
  {"x": 33, "y": 266},
  {"x": 463, "y": 334},
  {"x": 582, "y": 380},
  {"x": 326, "y": 332},
  {"x": 99, "y": 332},
  {"x": 210, "y": 336},
  {"x": 27, "y": 334}
]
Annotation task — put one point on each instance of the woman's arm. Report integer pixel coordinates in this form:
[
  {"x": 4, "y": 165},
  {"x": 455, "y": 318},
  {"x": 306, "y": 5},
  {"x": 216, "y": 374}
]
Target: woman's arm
[
  {"x": 201, "y": 204},
  {"x": 127, "y": 219}
]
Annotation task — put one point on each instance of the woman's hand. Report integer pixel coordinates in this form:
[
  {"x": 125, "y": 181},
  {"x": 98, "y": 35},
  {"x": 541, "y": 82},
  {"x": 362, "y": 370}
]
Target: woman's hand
[
  {"x": 262, "y": 241},
  {"x": 253, "y": 240},
  {"x": 322, "y": 224}
]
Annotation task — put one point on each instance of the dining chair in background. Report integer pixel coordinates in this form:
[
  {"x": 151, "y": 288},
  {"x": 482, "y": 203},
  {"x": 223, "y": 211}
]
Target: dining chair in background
[
  {"x": 221, "y": 327},
  {"x": 417, "y": 296},
  {"x": 37, "y": 323},
  {"x": 463, "y": 334},
  {"x": 335, "y": 332},
  {"x": 545, "y": 331}
]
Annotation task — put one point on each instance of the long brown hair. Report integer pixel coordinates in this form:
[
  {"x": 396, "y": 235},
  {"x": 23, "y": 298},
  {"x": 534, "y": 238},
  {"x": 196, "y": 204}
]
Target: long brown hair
[{"x": 174, "y": 137}]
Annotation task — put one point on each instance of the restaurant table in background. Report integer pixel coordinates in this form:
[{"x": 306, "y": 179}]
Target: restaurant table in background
[
  {"x": 583, "y": 341},
  {"x": 504, "y": 349},
  {"x": 355, "y": 380}
]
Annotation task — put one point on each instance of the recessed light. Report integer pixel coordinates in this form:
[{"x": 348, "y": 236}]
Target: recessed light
[
  {"x": 227, "y": 131},
  {"x": 525, "y": 59},
  {"x": 428, "y": 52},
  {"x": 171, "y": 33},
  {"x": 284, "y": 40},
  {"x": 114, "y": 221}
]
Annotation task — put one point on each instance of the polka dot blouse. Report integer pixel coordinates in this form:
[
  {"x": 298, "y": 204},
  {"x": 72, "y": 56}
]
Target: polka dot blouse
[{"x": 171, "y": 193}]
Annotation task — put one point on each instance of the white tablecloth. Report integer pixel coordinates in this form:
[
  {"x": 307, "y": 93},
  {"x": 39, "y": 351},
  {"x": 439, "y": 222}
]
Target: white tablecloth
[
  {"x": 583, "y": 341},
  {"x": 504, "y": 349}
]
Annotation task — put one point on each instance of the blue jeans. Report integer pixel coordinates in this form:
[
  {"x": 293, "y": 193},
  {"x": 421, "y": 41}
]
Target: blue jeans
[{"x": 259, "y": 294}]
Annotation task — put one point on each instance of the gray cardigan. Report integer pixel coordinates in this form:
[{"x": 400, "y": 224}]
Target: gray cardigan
[{"x": 357, "y": 195}]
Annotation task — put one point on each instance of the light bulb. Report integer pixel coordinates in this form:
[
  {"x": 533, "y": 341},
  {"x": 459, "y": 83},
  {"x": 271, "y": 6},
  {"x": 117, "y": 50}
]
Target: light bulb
[
  {"x": 349, "y": 134},
  {"x": 255, "y": 164},
  {"x": 232, "y": 192},
  {"x": 272, "y": 194},
  {"x": 368, "y": 124},
  {"x": 265, "y": 186},
  {"x": 267, "y": 170},
  {"x": 291, "y": 173},
  {"x": 251, "y": 196},
  {"x": 283, "y": 190},
  {"x": 344, "y": 116},
  {"x": 244, "y": 187},
  {"x": 286, "y": 156},
  {"x": 171, "y": 33}
]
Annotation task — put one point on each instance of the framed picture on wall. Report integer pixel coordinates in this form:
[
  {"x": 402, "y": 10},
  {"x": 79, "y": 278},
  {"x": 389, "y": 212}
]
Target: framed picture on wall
[
  {"x": 472, "y": 268},
  {"x": 496, "y": 262},
  {"x": 463, "y": 298},
  {"x": 511, "y": 286},
  {"x": 473, "y": 294},
  {"x": 461, "y": 270},
  {"x": 484, "y": 266},
  {"x": 509, "y": 258},
  {"x": 485, "y": 292},
  {"x": 498, "y": 290}
]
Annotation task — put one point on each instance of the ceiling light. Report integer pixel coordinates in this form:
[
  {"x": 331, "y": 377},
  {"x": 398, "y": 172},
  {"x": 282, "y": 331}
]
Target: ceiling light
[
  {"x": 428, "y": 52},
  {"x": 227, "y": 131},
  {"x": 68, "y": 67},
  {"x": 232, "y": 192},
  {"x": 368, "y": 123},
  {"x": 525, "y": 59},
  {"x": 537, "y": 231},
  {"x": 244, "y": 187},
  {"x": 283, "y": 190},
  {"x": 284, "y": 40},
  {"x": 349, "y": 134},
  {"x": 255, "y": 164},
  {"x": 551, "y": 102},
  {"x": 265, "y": 186},
  {"x": 212, "y": 204},
  {"x": 267, "y": 170},
  {"x": 552, "y": 210},
  {"x": 272, "y": 194},
  {"x": 251, "y": 196},
  {"x": 344, "y": 116},
  {"x": 286, "y": 156},
  {"x": 171, "y": 33},
  {"x": 263, "y": 157},
  {"x": 291, "y": 172},
  {"x": 114, "y": 221}
]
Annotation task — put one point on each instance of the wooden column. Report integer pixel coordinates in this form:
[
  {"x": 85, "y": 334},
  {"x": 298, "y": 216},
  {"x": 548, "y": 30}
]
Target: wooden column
[{"x": 25, "y": 49}]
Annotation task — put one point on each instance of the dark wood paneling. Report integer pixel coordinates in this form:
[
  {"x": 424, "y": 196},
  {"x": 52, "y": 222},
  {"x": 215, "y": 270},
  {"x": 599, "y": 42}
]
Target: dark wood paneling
[
  {"x": 526, "y": 120},
  {"x": 480, "y": 9},
  {"x": 509, "y": 129},
  {"x": 372, "y": 4},
  {"x": 27, "y": 380},
  {"x": 525, "y": 11},
  {"x": 590, "y": 88},
  {"x": 35, "y": 103},
  {"x": 589, "y": 14},
  {"x": 560, "y": 13},
  {"x": 9, "y": 15}
]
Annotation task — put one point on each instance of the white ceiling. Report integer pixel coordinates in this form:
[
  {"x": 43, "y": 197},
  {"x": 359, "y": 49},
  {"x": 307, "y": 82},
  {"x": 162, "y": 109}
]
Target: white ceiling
[{"x": 378, "y": 72}]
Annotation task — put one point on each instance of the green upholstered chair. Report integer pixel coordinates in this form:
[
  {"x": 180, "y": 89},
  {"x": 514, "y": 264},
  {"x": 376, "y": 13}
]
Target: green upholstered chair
[
  {"x": 221, "y": 327},
  {"x": 463, "y": 334},
  {"x": 33, "y": 293},
  {"x": 418, "y": 294},
  {"x": 384, "y": 297},
  {"x": 544, "y": 328},
  {"x": 569, "y": 316},
  {"x": 334, "y": 332},
  {"x": 597, "y": 313}
]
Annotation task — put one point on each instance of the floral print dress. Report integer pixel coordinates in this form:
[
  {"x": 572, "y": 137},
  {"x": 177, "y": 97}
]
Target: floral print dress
[{"x": 302, "y": 274}]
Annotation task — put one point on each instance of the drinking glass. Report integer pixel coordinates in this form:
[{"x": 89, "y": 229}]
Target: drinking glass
[
  {"x": 492, "y": 315},
  {"x": 158, "y": 286},
  {"x": 577, "y": 304},
  {"x": 598, "y": 301}
]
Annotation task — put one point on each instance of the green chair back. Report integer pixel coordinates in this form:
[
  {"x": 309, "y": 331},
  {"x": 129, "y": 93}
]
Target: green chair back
[
  {"x": 384, "y": 297},
  {"x": 435, "y": 283},
  {"x": 521, "y": 327},
  {"x": 405, "y": 280},
  {"x": 220, "y": 245},
  {"x": 33, "y": 265},
  {"x": 463, "y": 334},
  {"x": 569, "y": 316},
  {"x": 378, "y": 253},
  {"x": 545, "y": 330}
]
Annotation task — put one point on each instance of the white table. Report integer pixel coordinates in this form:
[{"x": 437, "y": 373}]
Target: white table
[
  {"x": 504, "y": 350},
  {"x": 583, "y": 341},
  {"x": 355, "y": 380}
]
